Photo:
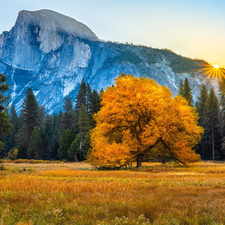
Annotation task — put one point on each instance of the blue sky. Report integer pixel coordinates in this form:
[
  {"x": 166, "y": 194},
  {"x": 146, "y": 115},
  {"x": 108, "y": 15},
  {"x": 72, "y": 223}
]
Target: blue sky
[{"x": 191, "y": 28}]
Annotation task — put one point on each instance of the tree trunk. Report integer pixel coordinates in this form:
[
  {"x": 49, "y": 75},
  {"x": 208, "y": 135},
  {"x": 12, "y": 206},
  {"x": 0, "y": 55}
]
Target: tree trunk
[{"x": 139, "y": 160}]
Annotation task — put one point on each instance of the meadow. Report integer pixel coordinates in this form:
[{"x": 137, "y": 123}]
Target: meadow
[{"x": 76, "y": 193}]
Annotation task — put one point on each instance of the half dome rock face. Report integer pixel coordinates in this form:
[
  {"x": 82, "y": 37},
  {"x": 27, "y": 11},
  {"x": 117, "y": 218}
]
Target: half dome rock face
[
  {"x": 52, "y": 53},
  {"x": 38, "y": 33}
]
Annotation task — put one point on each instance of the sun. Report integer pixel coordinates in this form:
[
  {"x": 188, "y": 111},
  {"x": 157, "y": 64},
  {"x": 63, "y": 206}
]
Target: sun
[{"x": 212, "y": 73}]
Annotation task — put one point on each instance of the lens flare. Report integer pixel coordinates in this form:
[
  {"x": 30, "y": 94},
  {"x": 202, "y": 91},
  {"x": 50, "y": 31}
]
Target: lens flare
[{"x": 213, "y": 74}]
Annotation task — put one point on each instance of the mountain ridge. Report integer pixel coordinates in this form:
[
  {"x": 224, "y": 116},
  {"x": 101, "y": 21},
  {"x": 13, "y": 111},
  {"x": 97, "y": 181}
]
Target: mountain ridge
[{"x": 56, "y": 67}]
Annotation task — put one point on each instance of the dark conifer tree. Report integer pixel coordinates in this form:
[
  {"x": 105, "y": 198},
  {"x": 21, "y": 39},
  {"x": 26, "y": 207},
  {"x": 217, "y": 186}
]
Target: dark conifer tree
[
  {"x": 81, "y": 99},
  {"x": 222, "y": 114},
  {"x": 201, "y": 110},
  {"x": 65, "y": 141},
  {"x": 75, "y": 122},
  {"x": 49, "y": 120},
  {"x": 48, "y": 132},
  {"x": 38, "y": 148},
  {"x": 84, "y": 128},
  {"x": 55, "y": 149},
  {"x": 89, "y": 102},
  {"x": 81, "y": 96},
  {"x": 46, "y": 150},
  {"x": 42, "y": 114},
  {"x": 13, "y": 115},
  {"x": 181, "y": 89},
  {"x": 95, "y": 106},
  {"x": 67, "y": 118},
  {"x": 211, "y": 125},
  {"x": 73, "y": 152},
  {"x": 30, "y": 116},
  {"x": 21, "y": 152},
  {"x": 31, "y": 154},
  {"x": 5, "y": 125},
  {"x": 10, "y": 139},
  {"x": 187, "y": 92},
  {"x": 56, "y": 125}
]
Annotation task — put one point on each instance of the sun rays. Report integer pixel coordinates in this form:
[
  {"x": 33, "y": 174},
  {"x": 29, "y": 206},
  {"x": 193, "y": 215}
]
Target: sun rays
[{"x": 213, "y": 74}]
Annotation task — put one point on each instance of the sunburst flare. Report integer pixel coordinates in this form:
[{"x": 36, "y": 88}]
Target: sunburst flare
[{"x": 213, "y": 74}]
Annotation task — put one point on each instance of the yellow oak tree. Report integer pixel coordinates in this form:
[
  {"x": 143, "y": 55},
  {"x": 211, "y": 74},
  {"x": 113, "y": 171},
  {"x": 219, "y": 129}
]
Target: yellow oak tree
[{"x": 138, "y": 116}]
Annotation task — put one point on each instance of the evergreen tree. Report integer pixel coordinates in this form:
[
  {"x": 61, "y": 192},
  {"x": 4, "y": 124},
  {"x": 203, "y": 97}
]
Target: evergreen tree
[
  {"x": 74, "y": 150},
  {"x": 89, "y": 102},
  {"x": 21, "y": 152},
  {"x": 55, "y": 149},
  {"x": 42, "y": 114},
  {"x": 64, "y": 144},
  {"x": 84, "y": 128},
  {"x": 201, "y": 110},
  {"x": 10, "y": 139},
  {"x": 211, "y": 124},
  {"x": 67, "y": 118},
  {"x": 222, "y": 114},
  {"x": 49, "y": 120},
  {"x": 38, "y": 148},
  {"x": 31, "y": 154},
  {"x": 46, "y": 150},
  {"x": 13, "y": 115},
  {"x": 95, "y": 106},
  {"x": 56, "y": 124},
  {"x": 41, "y": 146},
  {"x": 75, "y": 122},
  {"x": 187, "y": 92},
  {"x": 48, "y": 132},
  {"x": 81, "y": 96},
  {"x": 5, "y": 125},
  {"x": 30, "y": 116},
  {"x": 181, "y": 88}
]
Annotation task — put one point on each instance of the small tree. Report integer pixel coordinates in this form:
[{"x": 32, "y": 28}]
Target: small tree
[{"x": 13, "y": 153}]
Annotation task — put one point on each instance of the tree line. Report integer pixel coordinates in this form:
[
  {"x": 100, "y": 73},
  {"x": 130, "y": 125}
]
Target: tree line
[
  {"x": 62, "y": 136},
  {"x": 66, "y": 135},
  {"x": 211, "y": 110}
]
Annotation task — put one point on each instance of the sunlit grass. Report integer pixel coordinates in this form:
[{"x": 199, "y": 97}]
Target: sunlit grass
[{"x": 75, "y": 193}]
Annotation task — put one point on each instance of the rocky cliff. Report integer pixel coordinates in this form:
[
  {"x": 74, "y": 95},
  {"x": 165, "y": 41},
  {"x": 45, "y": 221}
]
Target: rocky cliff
[{"x": 52, "y": 53}]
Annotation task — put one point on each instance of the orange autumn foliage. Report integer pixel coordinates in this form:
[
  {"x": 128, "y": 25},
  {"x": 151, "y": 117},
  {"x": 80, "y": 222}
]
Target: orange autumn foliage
[{"x": 138, "y": 116}]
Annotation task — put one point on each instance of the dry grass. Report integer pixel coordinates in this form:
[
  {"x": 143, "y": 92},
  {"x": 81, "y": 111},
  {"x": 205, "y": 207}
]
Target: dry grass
[{"x": 74, "y": 193}]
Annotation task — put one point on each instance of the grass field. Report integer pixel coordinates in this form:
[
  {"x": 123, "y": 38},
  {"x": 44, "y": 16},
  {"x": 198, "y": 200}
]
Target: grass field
[{"x": 75, "y": 193}]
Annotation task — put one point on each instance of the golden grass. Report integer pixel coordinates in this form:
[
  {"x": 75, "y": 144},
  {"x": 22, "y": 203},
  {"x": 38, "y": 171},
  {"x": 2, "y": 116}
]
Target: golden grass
[{"x": 73, "y": 193}]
